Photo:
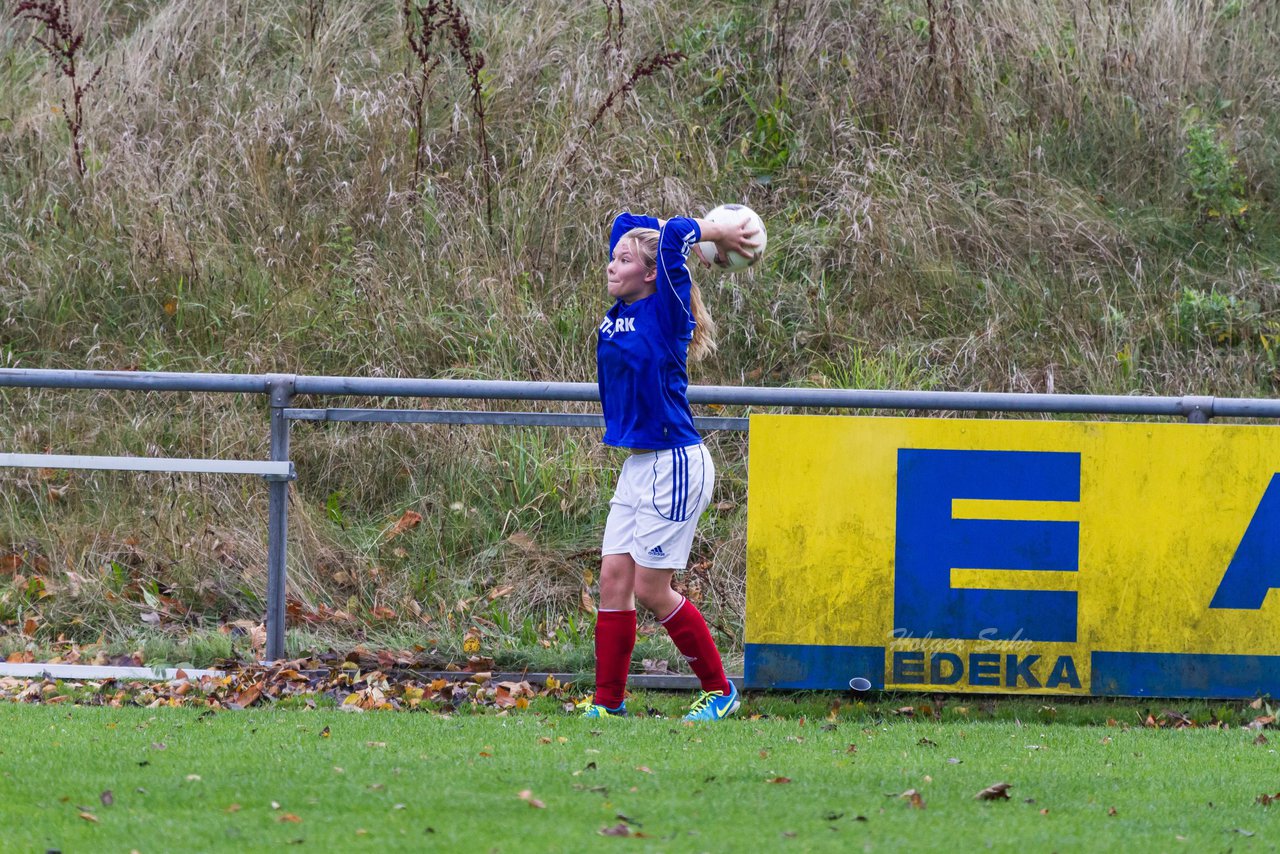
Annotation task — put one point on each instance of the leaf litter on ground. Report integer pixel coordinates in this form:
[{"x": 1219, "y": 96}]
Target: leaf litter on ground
[{"x": 360, "y": 681}]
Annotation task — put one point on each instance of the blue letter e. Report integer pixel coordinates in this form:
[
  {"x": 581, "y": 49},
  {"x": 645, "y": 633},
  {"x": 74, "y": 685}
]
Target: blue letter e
[{"x": 930, "y": 543}]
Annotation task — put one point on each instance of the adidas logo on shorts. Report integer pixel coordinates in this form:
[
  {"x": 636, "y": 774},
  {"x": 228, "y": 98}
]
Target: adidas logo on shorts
[{"x": 657, "y": 551}]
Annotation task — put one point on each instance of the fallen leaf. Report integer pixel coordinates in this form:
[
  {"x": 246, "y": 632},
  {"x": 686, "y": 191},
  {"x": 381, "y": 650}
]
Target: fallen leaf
[
  {"x": 995, "y": 792},
  {"x": 249, "y": 696},
  {"x": 779, "y": 780},
  {"x": 644, "y": 769},
  {"x": 1267, "y": 800},
  {"x": 526, "y": 795},
  {"x": 289, "y": 817},
  {"x": 324, "y": 733},
  {"x": 1111, "y": 811},
  {"x": 107, "y": 798},
  {"x": 616, "y": 830},
  {"x": 522, "y": 540},
  {"x": 407, "y": 522},
  {"x": 233, "y": 808},
  {"x": 913, "y": 797},
  {"x": 88, "y": 816}
]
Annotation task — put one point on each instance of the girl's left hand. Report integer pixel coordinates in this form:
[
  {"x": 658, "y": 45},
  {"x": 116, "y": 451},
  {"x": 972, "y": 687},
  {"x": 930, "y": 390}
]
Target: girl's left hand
[{"x": 730, "y": 238}]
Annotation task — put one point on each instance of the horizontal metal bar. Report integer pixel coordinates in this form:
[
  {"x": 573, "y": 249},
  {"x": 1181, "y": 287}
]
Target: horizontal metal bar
[
  {"x": 449, "y": 416},
  {"x": 96, "y": 673},
  {"x": 134, "y": 380},
  {"x": 959, "y": 401},
  {"x": 463, "y": 416},
  {"x": 474, "y": 389},
  {"x": 1244, "y": 407},
  {"x": 938, "y": 400},
  {"x": 78, "y": 461}
]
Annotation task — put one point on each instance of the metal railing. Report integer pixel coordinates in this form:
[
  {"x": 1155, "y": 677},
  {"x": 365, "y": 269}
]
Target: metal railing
[{"x": 281, "y": 389}]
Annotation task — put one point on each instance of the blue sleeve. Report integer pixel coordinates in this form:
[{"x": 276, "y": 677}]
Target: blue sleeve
[
  {"x": 674, "y": 283},
  {"x": 623, "y": 223}
]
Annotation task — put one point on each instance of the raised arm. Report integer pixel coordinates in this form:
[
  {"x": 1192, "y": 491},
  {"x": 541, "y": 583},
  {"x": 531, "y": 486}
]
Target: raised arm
[
  {"x": 677, "y": 236},
  {"x": 739, "y": 237}
]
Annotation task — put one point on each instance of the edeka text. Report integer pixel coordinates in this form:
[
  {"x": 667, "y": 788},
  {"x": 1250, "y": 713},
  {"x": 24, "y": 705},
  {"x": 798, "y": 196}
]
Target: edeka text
[{"x": 983, "y": 670}]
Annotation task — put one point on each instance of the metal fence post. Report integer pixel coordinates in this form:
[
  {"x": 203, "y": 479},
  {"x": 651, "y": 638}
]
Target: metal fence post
[{"x": 280, "y": 387}]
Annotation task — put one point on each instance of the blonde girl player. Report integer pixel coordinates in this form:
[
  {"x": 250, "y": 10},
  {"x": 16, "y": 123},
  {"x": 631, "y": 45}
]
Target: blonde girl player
[{"x": 657, "y": 323}]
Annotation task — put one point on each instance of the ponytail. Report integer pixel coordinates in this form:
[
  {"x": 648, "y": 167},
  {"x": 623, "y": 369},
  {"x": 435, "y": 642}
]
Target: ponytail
[{"x": 704, "y": 333}]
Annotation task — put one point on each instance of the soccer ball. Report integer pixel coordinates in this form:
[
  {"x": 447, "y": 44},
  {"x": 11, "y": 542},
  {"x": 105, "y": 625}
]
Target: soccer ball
[{"x": 732, "y": 215}]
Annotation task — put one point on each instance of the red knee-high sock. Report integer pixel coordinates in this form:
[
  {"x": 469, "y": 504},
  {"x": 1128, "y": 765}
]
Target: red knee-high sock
[
  {"x": 688, "y": 629},
  {"x": 615, "y": 639}
]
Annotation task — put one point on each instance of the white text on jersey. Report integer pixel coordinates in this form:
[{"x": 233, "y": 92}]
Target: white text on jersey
[{"x": 623, "y": 324}]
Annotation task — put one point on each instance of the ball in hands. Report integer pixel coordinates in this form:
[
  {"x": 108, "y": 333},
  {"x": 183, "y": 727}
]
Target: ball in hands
[{"x": 732, "y": 215}]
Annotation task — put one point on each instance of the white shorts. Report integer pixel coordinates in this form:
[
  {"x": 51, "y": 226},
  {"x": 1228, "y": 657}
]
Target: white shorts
[{"x": 655, "y": 510}]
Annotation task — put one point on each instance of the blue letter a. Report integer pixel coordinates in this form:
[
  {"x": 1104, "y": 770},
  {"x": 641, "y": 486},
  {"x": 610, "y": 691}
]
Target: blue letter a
[{"x": 1255, "y": 568}]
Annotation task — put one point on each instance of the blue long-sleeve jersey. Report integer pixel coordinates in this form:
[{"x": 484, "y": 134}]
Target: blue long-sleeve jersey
[{"x": 642, "y": 348}]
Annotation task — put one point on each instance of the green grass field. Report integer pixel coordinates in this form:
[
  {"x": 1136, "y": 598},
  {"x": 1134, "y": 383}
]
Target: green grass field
[{"x": 541, "y": 780}]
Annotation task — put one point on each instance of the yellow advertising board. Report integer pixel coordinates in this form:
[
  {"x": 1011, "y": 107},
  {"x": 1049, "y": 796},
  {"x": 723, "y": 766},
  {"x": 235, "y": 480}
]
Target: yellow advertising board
[{"x": 1013, "y": 556}]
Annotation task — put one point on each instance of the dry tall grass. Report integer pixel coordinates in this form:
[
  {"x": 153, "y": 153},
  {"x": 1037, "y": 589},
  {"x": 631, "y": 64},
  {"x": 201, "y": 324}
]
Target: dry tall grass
[{"x": 988, "y": 195}]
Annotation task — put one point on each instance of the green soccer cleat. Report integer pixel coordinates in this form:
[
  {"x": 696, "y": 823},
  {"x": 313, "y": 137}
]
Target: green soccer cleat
[
  {"x": 590, "y": 709},
  {"x": 714, "y": 705}
]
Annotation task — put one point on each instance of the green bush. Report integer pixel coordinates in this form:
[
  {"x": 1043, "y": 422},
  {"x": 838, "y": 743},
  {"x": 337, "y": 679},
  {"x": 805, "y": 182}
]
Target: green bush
[
  {"x": 1216, "y": 187},
  {"x": 1214, "y": 317}
]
